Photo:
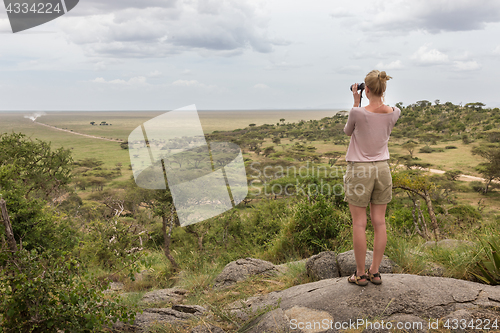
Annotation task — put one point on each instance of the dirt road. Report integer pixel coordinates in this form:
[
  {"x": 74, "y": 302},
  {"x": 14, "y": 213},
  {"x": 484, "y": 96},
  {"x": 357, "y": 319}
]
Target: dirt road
[{"x": 76, "y": 133}]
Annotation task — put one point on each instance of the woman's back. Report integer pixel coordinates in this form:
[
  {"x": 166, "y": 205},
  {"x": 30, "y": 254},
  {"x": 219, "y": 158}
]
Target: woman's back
[{"x": 370, "y": 132}]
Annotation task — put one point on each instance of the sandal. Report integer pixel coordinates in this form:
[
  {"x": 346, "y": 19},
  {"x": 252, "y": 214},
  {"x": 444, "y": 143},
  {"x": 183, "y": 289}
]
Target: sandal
[
  {"x": 372, "y": 277},
  {"x": 357, "y": 278}
]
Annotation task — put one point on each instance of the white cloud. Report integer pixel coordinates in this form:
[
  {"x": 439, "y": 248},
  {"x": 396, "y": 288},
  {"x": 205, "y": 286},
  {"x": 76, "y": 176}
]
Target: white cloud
[
  {"x": 156, "y": 73},
  {"x": 283, "y": 65},
  {"x": 138, "y": 80},
  {"x": 350, "y": 69},
  {"x": 428, "y": 57},
  {"x": 261, "y": 86},
  {"x": 187, "y": 83},
  {"x": 196, "y": 84},
  {"x": 497, "y": 50},
  {"x": 434, "y": 16},
  {"x": 220, "y": 27},
  {"x": 341, "y": 12},
  {"x": 392, "y": 65},
  {"x": 466, "y": 65}
]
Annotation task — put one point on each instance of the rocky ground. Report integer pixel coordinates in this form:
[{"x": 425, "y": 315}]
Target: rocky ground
[{"x": 411, "y": 303}]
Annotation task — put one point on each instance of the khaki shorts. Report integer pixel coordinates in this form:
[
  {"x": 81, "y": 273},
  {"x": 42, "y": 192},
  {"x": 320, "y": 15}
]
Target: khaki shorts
[{"x": 366, "y": 182}]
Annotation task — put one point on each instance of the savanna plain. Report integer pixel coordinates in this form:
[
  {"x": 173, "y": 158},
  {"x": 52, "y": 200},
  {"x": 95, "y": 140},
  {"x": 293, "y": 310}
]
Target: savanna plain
[{"x": 76, "y": 209}]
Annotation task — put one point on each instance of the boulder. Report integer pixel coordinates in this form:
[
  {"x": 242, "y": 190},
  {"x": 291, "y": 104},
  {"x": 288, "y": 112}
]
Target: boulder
[
  {"x": 148, "y": 317},
  {"x": 400, "y": 298},
  {"x": 170, "y": 295},
  {"x": 193, "y": 309},
  {"x": 274, "y": 321},
  {"x": 240, "y": 269},
  {"x": 323, "y": 266},
  {"x": 347, "y": 263}
]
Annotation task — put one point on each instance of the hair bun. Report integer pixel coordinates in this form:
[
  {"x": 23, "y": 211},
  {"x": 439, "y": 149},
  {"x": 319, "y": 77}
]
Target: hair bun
[{"x": 383, "y": 76}]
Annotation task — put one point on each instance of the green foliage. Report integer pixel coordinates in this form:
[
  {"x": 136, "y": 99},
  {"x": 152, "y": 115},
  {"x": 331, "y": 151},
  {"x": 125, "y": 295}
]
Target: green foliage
[
  {"x": 452, "y": 174},
  {"x": 313, "y": 228},
  {"x": 112, "y": 244},
  {"x": 490, "y": 268},
  {"x": 30, "y": 175},
  {"x": 465, "y": 213},
  {"x": 267, "y": 221},
  {"x": 46, "y": 293},
  {"x": 476, "y": 186}
]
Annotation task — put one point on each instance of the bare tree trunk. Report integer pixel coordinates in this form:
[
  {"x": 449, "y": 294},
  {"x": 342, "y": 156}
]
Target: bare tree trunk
[
  {"x": 418, "y": 220},
  {"x": 488, "y": 181},
  {"x": 167, "y": 237},
  {"x": 430, "y": 210},
  {"x": 8, "y": 227},
  {"x": 198, "y": 236},
  {"x": 422, "y": 221}
]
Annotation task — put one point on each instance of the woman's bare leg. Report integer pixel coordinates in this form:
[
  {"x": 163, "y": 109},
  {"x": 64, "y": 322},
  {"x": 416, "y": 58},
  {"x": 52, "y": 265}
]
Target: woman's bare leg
[
  {"x": 358, "y": 236},
  {"x": 377, "y": 215}
]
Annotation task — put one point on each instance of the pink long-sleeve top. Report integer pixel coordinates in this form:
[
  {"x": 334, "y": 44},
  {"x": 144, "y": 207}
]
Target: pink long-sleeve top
[{"x": 370, "y": 134}]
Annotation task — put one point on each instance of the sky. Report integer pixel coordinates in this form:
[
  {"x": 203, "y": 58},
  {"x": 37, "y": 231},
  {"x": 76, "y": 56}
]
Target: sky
[{"x": 250, "y": 54}]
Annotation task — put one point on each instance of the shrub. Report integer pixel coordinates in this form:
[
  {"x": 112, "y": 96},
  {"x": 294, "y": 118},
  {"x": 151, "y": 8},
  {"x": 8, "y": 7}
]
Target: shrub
[
  {"x": 450, "y": 147},
  {"x": 465, "y": 213},
  {"x": 313, "y": 228},
  {"x": 46, "y": 293},
  {"x": 490, "y": 268},
  {"x": 477, "y": 186},
  {"x": 426, "y": 150},
  {"x": 452, "y": 174},
  {"x": 111, "y": 244}
]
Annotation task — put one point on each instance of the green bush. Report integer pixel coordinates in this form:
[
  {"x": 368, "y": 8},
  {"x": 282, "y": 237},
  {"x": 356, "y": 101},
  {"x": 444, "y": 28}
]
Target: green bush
[
  {"x": 426, "y": 150},
  {"x": 477, "y": 186},
  {"x": 490, "y": 268},
  {"x": 452, "y": 174},
  {"x": 46, "y": 293},
  {"x": 313, "y": 228},
  {"x": 465, "y": 213},
  {"x": 112, "y": 243}
]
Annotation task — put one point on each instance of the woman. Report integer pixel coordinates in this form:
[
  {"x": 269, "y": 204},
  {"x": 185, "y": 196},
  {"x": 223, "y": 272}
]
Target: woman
[{"x": 368, "y": 177}]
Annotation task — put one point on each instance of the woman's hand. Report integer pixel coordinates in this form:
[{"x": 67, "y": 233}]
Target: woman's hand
[{"x": 356, "y": 95}]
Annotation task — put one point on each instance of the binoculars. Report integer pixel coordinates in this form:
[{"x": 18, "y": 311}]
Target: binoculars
[{"x": 360, "y": 86}]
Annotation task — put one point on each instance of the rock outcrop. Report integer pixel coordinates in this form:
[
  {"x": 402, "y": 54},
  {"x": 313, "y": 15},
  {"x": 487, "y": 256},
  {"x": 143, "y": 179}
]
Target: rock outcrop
[
  {"x": 327, "y": 265},
  {"x": 347, "y": 263},
  {"x": 332, "y": 304},
  {"x": 170, "y": 295},
  {"x": 240, "y": 269}
]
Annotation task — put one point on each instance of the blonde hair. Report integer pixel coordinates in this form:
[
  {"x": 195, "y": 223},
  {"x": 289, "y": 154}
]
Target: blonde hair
[{"x": 376, "y": 82}]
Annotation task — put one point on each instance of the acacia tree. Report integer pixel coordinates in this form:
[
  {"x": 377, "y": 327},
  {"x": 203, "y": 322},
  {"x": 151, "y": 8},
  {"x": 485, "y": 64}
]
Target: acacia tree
[
  {"x": 32, "y": 174},
  {"x": 161, "y": 203},
  {"x": 418, "y": 184},
  {"x": 410, "y": 147},
  {"x": 490, "y": 169},
  {"x": 44, "y": 288}
]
